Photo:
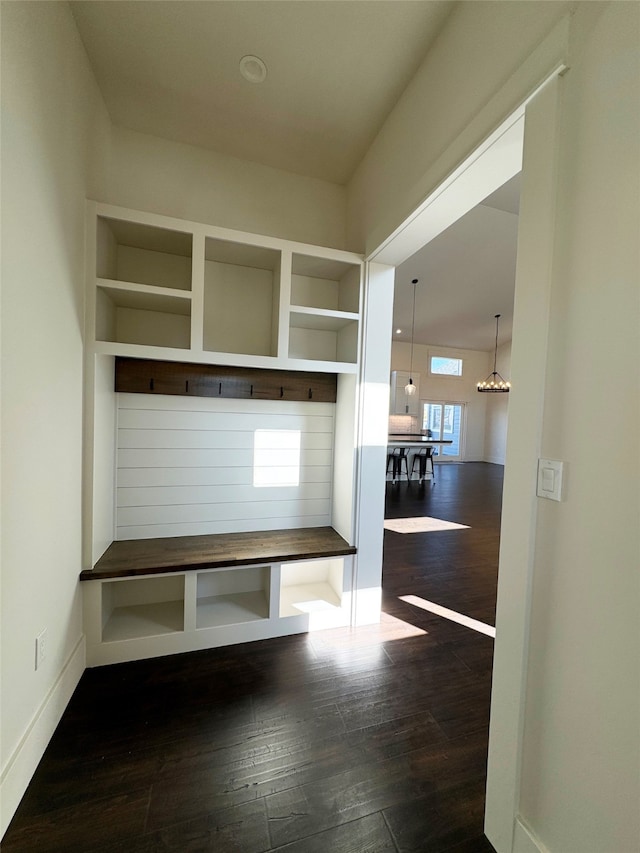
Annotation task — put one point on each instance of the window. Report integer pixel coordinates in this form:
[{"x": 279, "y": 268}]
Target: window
[{"x": 442, "y": 365}]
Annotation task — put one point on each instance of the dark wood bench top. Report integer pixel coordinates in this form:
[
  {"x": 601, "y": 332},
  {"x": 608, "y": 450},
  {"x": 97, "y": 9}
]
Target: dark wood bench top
[{"x": 180, "y": 553}]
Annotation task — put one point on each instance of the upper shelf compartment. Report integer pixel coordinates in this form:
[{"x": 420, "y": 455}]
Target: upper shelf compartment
[
  {"x": 241, "y": 298},
  {"x": 324, "y": 310},
  {"x": 143, "y": 254},
  {"x": 143, "y": 287}
]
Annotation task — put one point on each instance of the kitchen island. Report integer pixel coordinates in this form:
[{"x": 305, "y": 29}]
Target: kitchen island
[{"x": 412, "y": 444}]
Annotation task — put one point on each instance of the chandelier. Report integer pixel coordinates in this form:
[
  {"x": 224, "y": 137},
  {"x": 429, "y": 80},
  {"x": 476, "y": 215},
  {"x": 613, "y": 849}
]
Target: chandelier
[{"x": 494, "y": 382}]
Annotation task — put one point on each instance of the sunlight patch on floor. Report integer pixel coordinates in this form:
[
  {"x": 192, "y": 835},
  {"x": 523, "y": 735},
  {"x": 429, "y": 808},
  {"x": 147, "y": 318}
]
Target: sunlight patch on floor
[
  {"x": 365, "y": 636},
  {"x": 460, "y": 618},
  {"x": 423, "y": 524}
]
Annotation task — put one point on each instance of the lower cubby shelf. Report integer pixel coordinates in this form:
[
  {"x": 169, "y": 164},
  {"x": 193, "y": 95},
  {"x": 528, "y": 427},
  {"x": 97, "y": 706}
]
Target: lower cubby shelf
[
  {"x": 142, "y": 607},
  {"x": 316, "y": 589},
  {"x": 144, "y": 620},
  {"x": 140, "y": 616},
  {"x": 232, "y": 597}
]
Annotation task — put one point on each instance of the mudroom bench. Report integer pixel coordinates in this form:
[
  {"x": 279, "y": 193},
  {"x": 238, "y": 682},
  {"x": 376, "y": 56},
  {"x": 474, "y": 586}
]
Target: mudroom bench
[{"x": 151, "y": 597}]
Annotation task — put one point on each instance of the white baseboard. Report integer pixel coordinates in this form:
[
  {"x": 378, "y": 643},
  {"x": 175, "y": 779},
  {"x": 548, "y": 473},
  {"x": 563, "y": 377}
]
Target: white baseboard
[
  {"x": 19, "y": 769},
  {"x": 524, "y": 841},
  {"x": 495, "y": 460}
]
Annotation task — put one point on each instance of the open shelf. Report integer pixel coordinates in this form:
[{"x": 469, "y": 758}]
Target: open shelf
[
  {"x": 143, "y": 287},
  {"x": 323, "y": 315},
  {"x": 241, "y": 298},
  {"x": 323, "y": 336},
  {"x": 144, "y": 254},
  {"x": 144, "y": 315},
  {"x": 313, "y": 588},
  {"x": 325, "y": 283},
  {"x": 232, "y": 597},
  {"x": 145, "y": 607}
]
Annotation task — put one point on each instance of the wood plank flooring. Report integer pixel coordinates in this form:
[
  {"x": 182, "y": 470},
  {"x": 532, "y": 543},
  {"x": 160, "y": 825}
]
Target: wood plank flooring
[{"x": 362, "y": 741}]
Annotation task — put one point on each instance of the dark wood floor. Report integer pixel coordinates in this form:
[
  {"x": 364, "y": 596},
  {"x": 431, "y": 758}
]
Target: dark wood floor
[{"x": 343, "y": 741}]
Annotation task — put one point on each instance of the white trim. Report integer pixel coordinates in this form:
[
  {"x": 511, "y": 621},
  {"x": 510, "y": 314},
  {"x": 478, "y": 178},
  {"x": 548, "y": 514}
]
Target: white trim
[
  {"x": 439, "y": 401},
  {"x": 524, "y": 841},
  {"x": 22, "y": 764},
  {"x": 494, "y": 460},
  {"x": 536, "y": 238},
  {"x": 497, "y": 160},
  {"x": 473, "y": 147}
]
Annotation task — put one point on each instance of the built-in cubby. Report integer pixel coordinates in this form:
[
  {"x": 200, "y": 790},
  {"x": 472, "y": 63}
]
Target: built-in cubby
[
  {"x": 142, "y": 607},
  {"x": 241, "y": 298},
  {"x": 315, "y": 589},
  {"x": 150, "y": 318},
  {"x": 233, "y": 596},
  {"x": 143, "y": 284},
  {"x": 325, "y": 309}
]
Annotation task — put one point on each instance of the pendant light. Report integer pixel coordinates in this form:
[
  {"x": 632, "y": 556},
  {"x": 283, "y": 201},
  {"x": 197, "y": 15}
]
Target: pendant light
[
  {"x": 410, "y": 388},
  {"x": 494, "y": 383}
]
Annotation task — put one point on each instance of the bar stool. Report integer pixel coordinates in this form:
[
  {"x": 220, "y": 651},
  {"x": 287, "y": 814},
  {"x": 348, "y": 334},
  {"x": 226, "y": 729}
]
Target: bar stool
[
  {"x": 395, "y": 458},
  {"x": 424, "y": 455}
]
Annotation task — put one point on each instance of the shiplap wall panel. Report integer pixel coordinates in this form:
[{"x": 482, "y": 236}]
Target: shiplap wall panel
[
  {"x": 198, "y": 420},
  {"x": 219, "y": 458},
  {"x": 203, "y": 476},
  {"x": 170, "y": 495},
  {"x": 185, "y": 466},
  {"x": 167, "y": 439},
  {"x": 130, "y": 516},
  {"x": 151, "y": 531}
]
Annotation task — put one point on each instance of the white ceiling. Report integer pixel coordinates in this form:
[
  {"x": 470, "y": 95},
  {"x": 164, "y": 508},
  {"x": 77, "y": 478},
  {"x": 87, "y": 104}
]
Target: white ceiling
[
  {"x": 335, "y": 70},
  {"x": 466, "y": 276}
]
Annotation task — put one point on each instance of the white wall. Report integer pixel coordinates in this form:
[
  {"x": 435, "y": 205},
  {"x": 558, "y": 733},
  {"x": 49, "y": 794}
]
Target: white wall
[
  {"x": 578, "y": 788},
  {"x": 157, "y": 175},
  {"x": 495, "y": 440},
  {"x": 454, "y": 389},
  {"x": 581, "y": 758},
  {"x": 54, "y": 128}
]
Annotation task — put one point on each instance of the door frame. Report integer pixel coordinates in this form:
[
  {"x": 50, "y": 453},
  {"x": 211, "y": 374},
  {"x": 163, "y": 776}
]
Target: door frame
[
  {"x": 532, "y": 128},
  {"x": 463, "y": 426}
]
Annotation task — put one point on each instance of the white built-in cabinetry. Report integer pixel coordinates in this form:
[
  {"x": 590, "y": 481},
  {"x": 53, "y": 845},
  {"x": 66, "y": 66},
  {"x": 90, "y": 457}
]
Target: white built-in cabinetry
[
  {"x": 139, "y": 617},
  {"x": 222, "y": 297},
  {"x": 167, "y": 289}
]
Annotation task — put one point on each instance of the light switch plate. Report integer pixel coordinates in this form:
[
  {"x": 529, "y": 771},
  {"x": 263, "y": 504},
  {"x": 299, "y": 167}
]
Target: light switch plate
[{"x": 550, "y": 479}]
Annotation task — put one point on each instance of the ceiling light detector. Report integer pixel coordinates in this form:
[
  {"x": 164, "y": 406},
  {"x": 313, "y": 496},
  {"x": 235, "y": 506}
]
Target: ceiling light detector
[{"x": 253, "y": 69}]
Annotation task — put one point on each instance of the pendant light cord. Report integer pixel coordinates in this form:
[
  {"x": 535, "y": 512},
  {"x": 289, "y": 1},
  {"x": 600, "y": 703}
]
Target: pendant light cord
[
  {"x": 495, "y": 352},
  {"x": 413, "y": 325}
]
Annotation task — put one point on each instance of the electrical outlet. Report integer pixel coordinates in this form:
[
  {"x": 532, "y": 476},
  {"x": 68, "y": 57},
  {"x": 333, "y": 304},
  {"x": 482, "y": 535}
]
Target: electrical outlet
[{"x": 41, "y": 648}]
